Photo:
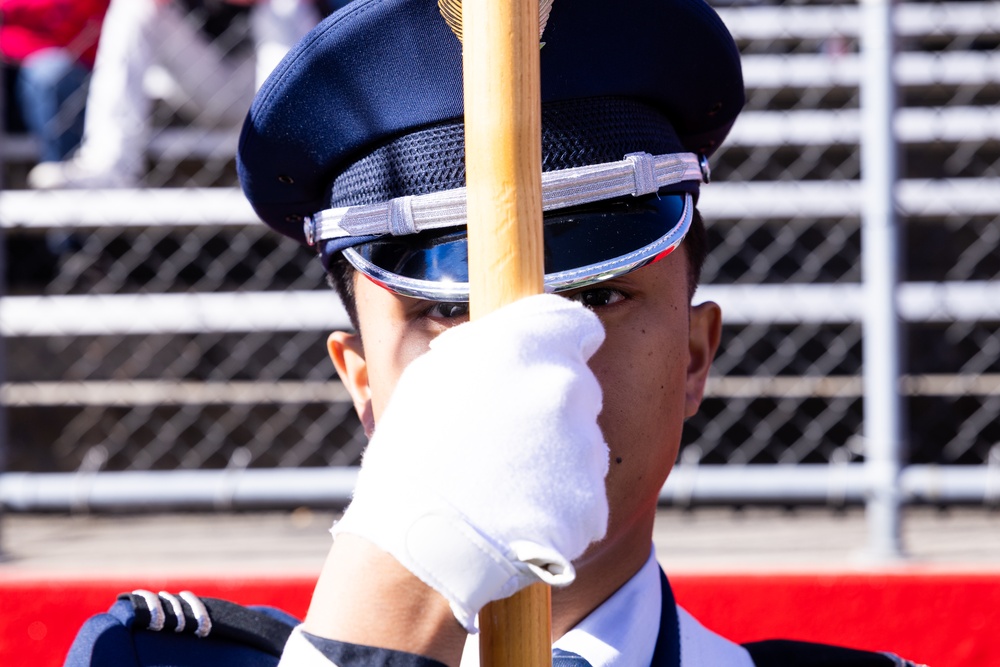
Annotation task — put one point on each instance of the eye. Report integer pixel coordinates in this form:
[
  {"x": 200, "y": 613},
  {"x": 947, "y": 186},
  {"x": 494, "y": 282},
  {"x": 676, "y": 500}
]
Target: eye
[
  {"x": 598, "y": 297},
  {"x": 448, "y": 310}
]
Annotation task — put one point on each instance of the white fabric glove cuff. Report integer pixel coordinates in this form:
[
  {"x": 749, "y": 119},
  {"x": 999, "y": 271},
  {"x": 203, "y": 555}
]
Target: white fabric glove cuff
[{"x": 443, "y": 550}]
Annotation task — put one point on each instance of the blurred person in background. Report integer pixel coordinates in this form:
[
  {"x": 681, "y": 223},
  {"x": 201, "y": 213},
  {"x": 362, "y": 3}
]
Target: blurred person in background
[
  {"x": 48, "y": 49},
  {"x": 199, "y": 43}
]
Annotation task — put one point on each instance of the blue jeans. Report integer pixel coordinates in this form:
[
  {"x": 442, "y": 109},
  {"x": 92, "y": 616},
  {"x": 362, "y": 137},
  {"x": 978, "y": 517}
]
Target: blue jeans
[{"x": 52, "y": 93}]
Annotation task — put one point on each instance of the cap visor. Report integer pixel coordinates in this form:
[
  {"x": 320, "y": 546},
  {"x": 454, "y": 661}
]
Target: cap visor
[{"x": 583, "y": 245}]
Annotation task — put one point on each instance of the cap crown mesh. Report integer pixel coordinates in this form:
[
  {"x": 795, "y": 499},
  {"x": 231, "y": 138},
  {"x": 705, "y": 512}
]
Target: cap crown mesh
[{"x": 574, "y": 134}]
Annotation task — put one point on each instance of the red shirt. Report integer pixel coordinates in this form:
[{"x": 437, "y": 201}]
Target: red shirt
[{"x": 27, "y": 26}]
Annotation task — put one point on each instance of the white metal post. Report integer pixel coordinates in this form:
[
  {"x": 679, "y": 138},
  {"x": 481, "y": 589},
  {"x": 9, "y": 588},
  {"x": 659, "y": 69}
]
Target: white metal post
[
  {"x": 4, "y": 445},
  {"x": 883, "y": 428}
]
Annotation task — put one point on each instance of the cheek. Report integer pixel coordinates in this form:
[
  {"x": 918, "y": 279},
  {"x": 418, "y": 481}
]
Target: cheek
[
  {"x": 390, "y": 346},
  {"x": 392, "y": 339},
  {"x": 644, "y": 403},
  {"x": 392, "y": 361}
]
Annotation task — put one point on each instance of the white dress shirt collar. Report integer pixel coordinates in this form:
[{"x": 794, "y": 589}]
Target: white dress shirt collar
[{"x": 622, "y": 632}]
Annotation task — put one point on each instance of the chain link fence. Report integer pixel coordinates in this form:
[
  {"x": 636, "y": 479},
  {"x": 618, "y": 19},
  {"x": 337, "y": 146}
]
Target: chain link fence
[
  {"x": 801, "y": 126},
  {"x": 135, "y": 396}
]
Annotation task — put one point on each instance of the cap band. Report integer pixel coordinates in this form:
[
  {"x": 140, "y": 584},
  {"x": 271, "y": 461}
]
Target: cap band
[{"x": 637, "y": 174}]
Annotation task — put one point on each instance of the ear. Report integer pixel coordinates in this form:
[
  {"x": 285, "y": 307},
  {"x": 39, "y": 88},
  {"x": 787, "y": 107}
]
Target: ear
[
  {"x": 704, "y": 332},
  {"x": 348, "y": 358}
]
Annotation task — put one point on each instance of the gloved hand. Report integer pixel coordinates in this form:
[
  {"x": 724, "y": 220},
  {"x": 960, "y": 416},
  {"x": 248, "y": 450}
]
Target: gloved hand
[{"x": 486, "y": 471}]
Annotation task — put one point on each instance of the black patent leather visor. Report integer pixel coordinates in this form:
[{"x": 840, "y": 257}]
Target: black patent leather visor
[{"x": 583, "y": 245}]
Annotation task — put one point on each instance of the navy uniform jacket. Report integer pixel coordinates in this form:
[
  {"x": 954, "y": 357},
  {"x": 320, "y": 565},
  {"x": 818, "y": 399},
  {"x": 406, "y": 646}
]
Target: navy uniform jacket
[{"x": 215, "y": 633}]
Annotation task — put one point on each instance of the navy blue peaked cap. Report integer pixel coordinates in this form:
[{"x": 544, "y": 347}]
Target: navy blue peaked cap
[{"x": 375, "y": 92}]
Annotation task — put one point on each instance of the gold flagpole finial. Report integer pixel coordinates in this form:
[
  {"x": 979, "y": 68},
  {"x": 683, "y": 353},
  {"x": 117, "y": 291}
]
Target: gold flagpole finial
[{"x": 451, "y": 10}]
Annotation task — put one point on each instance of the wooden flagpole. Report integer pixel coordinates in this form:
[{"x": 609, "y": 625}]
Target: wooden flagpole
[
  {"x": 503, "y": 175},
  {"x": 503, "y": 151}
]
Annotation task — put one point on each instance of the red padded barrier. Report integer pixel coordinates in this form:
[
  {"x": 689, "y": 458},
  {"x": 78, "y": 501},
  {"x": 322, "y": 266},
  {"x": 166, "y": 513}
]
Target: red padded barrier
[
  {"x": 941, "y": 619},
  {"x": 40, "y": 617},
  {"x": 945, "y": 619}
]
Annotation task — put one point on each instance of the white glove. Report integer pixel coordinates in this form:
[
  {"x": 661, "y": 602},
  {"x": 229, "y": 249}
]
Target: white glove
[{"x": 486, "y": 471}]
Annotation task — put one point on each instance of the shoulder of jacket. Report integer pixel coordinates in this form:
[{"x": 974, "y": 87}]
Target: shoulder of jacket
[
  {"x": 183, "y": 625},
  {"x": 788, "y": 653}
]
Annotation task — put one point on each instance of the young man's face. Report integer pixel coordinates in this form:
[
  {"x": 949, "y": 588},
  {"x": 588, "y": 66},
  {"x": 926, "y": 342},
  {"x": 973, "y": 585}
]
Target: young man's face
[{"x": 652, "y": 368}]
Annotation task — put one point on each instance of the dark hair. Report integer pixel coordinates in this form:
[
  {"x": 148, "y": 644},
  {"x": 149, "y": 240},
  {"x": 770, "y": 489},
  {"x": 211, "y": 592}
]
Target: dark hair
[{"x": 340, "y": 275}]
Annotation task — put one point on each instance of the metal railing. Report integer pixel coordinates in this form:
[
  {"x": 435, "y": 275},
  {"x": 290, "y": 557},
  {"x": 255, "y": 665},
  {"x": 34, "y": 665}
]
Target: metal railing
[{"x": 184, "y": 364}]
